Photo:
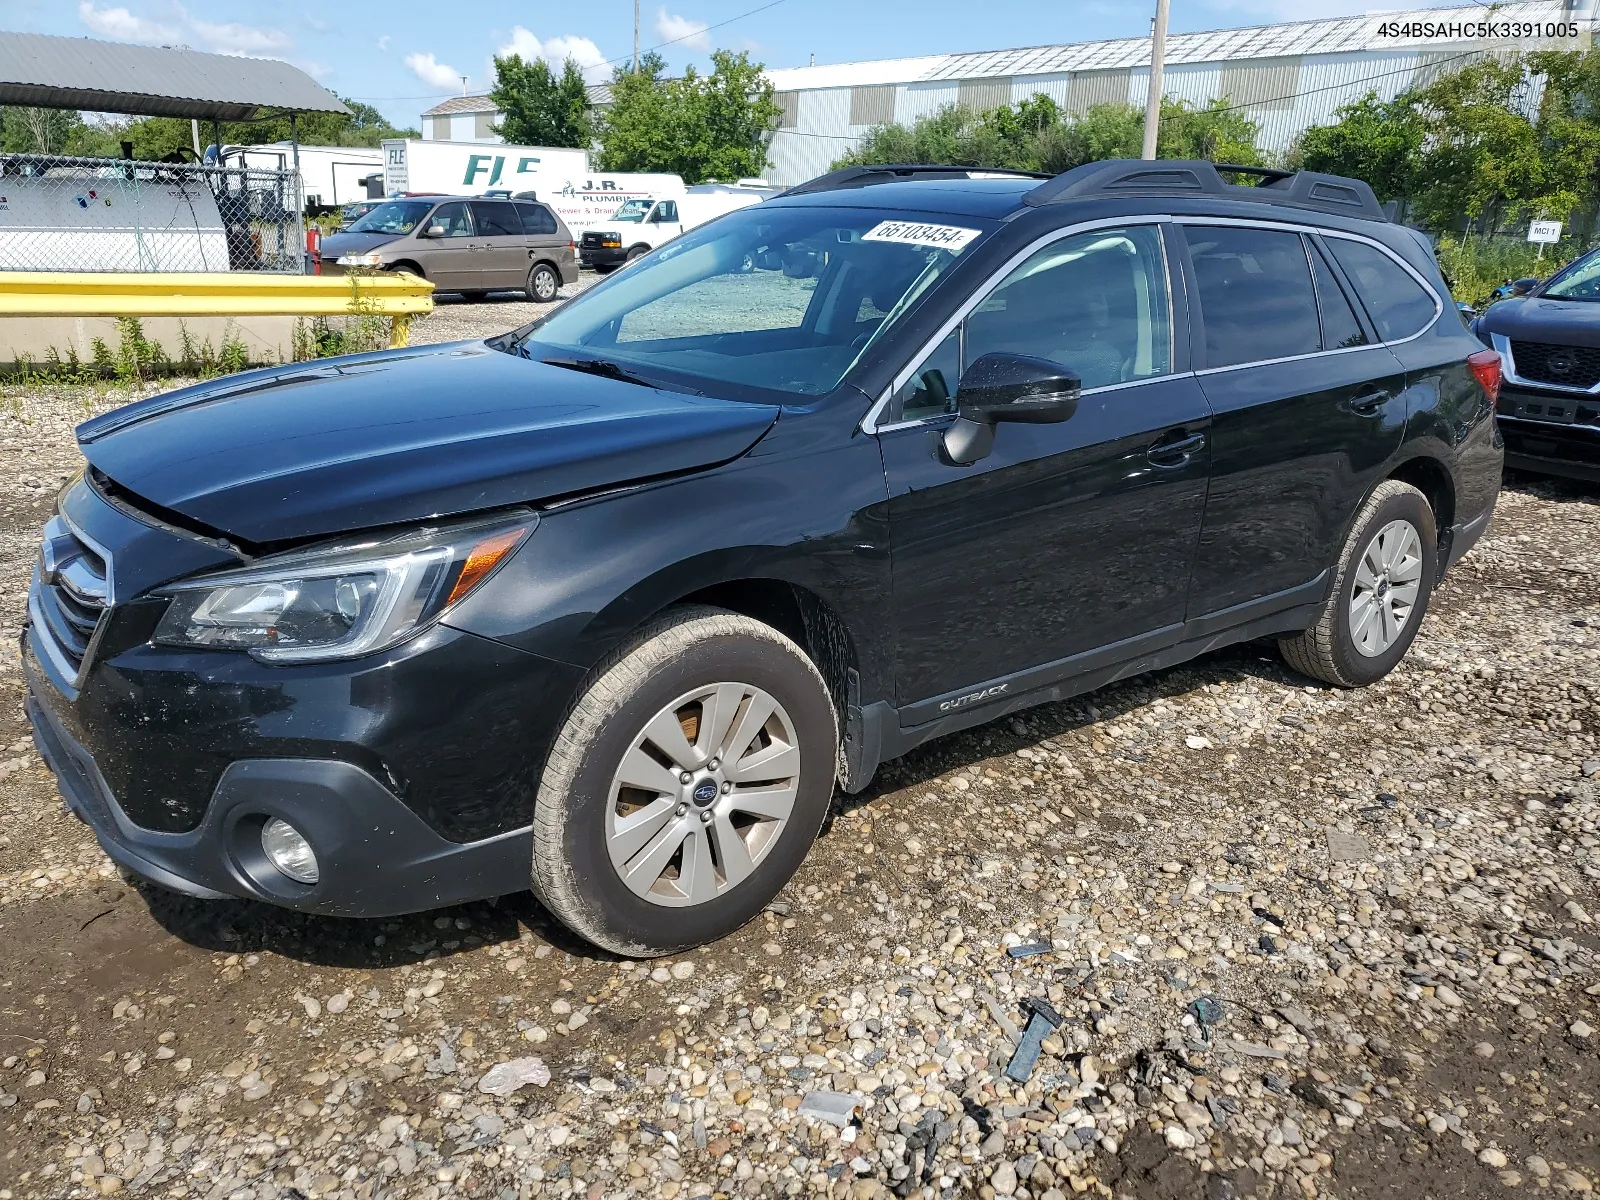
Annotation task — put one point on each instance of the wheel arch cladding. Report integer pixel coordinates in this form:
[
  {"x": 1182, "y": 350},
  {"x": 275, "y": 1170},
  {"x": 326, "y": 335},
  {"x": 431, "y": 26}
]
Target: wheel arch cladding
[
  {"x": 1432, "y": 478},
  {"x": 800, "y": 615}
]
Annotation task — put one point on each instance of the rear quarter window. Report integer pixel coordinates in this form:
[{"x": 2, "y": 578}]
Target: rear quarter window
[{"x": 1398, "y": 305}]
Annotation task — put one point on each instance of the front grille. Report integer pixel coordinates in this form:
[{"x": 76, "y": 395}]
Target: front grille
[
  {"x": 1564, "y": 366},
  {"x": 592, "y": 240},
  {"x": 71, "y": 593}
]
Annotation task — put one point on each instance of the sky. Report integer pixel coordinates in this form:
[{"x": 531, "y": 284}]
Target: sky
[{"x": 402, "y": 56}]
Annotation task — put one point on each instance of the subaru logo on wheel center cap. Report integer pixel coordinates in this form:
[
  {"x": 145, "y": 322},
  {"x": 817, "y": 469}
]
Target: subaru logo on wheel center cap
[{"x": 706, "y": 792}]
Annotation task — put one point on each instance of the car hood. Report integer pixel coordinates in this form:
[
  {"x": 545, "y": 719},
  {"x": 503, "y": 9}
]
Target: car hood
[
  {"x": 346, "y": 444},
  {"x": 336, "y": 244},
  {"x": 1535, "y": 319}
]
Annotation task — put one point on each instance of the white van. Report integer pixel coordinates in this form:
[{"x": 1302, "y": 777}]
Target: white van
[{"x": 642, "y": 224}]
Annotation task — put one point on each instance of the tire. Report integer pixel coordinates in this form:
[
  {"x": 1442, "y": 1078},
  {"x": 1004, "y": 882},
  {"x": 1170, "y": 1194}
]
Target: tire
[
  {"x": 635, "y": 252},
  {"x": 604, "y": 268},
  {"x": 1387, "y": 570},
  {"x": 543, "y": 283},
  {"x": 687, "y": 887}
]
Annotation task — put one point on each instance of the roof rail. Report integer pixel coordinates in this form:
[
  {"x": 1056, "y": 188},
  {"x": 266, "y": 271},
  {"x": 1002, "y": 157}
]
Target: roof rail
[
  {"x": 854, "y": 177},
  {"x": 1185, "y": 177}
]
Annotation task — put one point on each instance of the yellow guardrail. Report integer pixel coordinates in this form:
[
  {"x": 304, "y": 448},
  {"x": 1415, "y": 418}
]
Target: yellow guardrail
[{"x": 95, "y": 294}]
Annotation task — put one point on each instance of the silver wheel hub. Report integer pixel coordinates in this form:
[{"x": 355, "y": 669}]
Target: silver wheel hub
[
  {"x": 703, "y": 794},
  {"x": 1387, "y": 583}
]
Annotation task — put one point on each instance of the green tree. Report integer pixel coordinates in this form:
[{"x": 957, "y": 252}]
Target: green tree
[
  {"x": 1481, "y": 160},
  {"x": 715, "y": 126},
  {"x": 1375, "y": 140},
  {"x": 539, "y": 108},
  {"x": 1035, "y": 136},
  {"x": 51, "y": 131}
]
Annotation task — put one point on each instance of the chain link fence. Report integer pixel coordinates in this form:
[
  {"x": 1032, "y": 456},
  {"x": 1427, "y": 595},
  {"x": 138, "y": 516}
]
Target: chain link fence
[{"x": 98, "y": 214}]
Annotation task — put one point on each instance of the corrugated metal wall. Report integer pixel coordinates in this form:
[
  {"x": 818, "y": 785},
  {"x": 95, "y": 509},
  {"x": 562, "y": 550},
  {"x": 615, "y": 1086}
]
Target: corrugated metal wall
[{"x": 1284, "y": 95}]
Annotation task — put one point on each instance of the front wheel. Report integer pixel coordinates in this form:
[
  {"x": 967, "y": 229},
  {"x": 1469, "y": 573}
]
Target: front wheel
[
  {"x": 1380, "y": 594},
  {"x": 637, "y": 252},
  {"x": 543, "y": 283},
  {"x": 686, "y": 786}
]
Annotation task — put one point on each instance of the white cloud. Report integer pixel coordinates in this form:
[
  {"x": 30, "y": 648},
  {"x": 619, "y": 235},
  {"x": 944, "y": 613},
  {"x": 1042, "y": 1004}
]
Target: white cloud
[
  {"x": 252, "y": 41},
  {"x": 383, "y": 43},
  {"x": 122, "y": 25},
  {"x": 433, "y": 72},
  {"x": 321, "y": 72},
  {"x": 525, "y": 44},
  {"x": 220, "y": 37},
  {"x": 680, "y": 30},
  {"x": 316, "y": 23}
]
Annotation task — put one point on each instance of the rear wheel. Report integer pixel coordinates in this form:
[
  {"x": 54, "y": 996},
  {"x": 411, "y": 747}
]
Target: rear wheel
[
  {"x": 1380, "y": 595},
  {"x": 687, "y": 785},
  {"x": 543, "y": 283}
]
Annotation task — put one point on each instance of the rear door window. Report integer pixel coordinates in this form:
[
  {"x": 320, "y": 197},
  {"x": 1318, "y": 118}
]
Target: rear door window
[
  {"x": 496, "y": 218},
  {"x": 1340, "y": 328},
  {"x": 1398, "y": 305},
  {"x": 537, "y": 220},
  {"x": 1256, "y": 296}
]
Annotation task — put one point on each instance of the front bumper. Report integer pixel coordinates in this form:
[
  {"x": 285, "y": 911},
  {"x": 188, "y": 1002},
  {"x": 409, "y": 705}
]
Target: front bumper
[
  {"x": 377, "y": 857},
  {"x": 602, "y": 256},
  {"x": 1562, "y": 447}
]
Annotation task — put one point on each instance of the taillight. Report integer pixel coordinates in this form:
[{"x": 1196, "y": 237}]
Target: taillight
[{"x": 1485, "y": 365}]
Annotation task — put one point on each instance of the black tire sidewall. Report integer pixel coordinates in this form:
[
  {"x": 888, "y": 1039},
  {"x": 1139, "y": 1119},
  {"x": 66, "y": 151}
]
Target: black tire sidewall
[
  {"x": 1351, "y": 663},
  {"x": 633, "y": 921}
]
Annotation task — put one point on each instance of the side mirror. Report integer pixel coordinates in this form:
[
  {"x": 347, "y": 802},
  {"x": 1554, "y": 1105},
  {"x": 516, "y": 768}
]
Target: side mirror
[
  {"x": 1521, "y": 287},
  {"x": 434, "y": 231},
  {"x": 1007, "y": 387}
]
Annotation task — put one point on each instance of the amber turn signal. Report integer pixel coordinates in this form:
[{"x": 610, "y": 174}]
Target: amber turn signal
[{"x": 482, "y": 559}]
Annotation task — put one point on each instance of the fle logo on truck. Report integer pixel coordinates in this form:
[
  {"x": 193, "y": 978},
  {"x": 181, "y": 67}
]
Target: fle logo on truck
[
  {"x": 972, "y": 697},
  {"x": 478, "y": 163}
]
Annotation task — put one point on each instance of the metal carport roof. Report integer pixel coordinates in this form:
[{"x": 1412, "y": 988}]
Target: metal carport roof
[{"x": 43, "y": 71}]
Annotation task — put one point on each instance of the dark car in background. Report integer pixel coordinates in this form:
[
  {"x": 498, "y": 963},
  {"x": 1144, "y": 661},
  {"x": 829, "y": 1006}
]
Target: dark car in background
[
  {"x": 1549, "y": 346},
  {"x": 610, "y": 604},
  {"x": 470, "y": 245}
]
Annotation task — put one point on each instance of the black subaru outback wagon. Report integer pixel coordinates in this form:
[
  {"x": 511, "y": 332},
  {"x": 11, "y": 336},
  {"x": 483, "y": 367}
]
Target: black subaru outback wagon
[{"x": 609, "y": 604}]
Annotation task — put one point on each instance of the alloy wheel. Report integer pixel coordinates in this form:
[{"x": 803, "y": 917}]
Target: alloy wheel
[
  {"x": 1388, "y": 580},
  {"x": 703, "y": 794}
]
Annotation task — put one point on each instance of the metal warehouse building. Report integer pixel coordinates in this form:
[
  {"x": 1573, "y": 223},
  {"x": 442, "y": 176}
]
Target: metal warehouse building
[{"x": 1287, "y": 77}]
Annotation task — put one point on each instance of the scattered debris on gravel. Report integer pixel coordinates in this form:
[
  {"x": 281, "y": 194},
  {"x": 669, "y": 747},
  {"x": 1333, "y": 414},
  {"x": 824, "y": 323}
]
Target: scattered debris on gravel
[{"x": 1215, "y": 932}]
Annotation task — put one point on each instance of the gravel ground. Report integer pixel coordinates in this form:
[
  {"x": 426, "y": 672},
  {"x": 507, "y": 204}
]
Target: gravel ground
[{"x": 1303, "y": 942}]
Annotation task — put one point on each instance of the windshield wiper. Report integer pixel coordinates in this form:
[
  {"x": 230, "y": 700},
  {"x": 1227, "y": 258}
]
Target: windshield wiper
[{"x": 612, "y": 370}]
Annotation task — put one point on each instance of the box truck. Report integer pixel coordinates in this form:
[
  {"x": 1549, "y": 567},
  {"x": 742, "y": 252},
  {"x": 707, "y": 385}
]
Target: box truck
[
  {"x": 557, "y": 176},
  {"x": 330, "y": 176}
]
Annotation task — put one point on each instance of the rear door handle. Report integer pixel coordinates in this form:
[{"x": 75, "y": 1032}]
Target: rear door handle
[
  {"x": 1370, "y": 402},
  {"x": 1170, "y": 455}
]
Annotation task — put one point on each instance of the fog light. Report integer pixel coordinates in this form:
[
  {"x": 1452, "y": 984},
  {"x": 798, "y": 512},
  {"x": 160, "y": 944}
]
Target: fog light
[{"x": 287, "y": 850}]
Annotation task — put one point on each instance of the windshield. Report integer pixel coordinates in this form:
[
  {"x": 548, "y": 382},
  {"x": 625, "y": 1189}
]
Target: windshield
[
  {"x": 1577, "y": 281},
  {"x": 632, "y": 210},
  {"x": 397, "y": 217},
  {"x": 783, "y": 299}
]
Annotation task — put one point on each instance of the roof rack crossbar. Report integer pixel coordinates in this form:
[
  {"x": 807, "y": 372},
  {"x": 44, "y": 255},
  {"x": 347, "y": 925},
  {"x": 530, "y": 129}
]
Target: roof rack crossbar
[
  {"x": 1197, "y": 177},
  {"x": 863, "y": 176}
]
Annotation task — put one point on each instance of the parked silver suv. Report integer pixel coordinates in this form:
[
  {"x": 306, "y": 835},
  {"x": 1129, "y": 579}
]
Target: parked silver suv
[{"x": 467, "y": 245}]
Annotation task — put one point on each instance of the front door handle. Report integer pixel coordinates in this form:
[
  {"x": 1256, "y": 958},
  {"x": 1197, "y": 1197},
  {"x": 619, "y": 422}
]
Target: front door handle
[
  {"x": 1171, "y": 455},
  {"x": 1370, "y": 402}
]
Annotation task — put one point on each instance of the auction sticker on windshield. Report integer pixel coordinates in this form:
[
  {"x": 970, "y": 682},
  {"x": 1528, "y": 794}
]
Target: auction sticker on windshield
[{"x": 913, "y": 233}]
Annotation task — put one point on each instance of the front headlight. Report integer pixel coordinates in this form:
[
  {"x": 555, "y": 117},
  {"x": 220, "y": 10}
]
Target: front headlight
[
  {"x": 339, "y": 601},
  {"x": 372, "y": 259}
]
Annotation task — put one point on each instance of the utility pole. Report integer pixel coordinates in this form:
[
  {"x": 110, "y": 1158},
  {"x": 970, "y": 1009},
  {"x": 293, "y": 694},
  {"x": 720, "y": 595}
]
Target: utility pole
[
  {"x": 636, "y": 35},
  {"x": 1152, "y": 101}
]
